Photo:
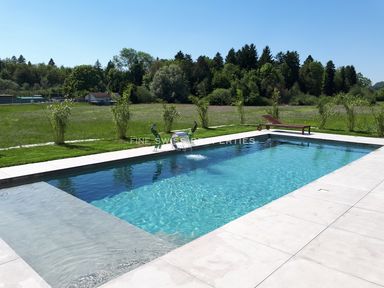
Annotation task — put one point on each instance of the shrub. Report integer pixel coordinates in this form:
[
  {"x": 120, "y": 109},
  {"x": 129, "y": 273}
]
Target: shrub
[
  {"x": 239, "y": 103},
  {"x": 220, "y": 96},
  {"x": 274, "y": 111},
  {"x": 378, "y": 115},
  {"x": 59, "y": 119},
  {"x": 202, "y": 105},
  {"x": 121, "y": 114},
  {"x": 325, "y": 107},
  {"x": 144, "y": 95},
  {"x": 350, "y": 103},
  {"x": 169, "y": 115},
  {"x": 304, "y": 99}
]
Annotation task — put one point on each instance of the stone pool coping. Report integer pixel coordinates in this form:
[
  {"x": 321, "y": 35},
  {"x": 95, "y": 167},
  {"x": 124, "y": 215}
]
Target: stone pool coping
[{"x": 325, "y": 233}]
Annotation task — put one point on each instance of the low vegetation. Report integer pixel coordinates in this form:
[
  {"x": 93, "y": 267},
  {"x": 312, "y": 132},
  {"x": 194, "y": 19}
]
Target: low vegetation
[
  {"x": 59, "y": 114},
  {"x": 28, "y": 124}
]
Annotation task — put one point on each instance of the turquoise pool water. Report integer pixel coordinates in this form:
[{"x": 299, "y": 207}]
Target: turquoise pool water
[{"x": 183, "y": 196}]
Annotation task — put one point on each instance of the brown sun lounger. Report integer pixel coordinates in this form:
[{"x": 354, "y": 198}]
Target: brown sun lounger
[{"x": 273, "y": 122}]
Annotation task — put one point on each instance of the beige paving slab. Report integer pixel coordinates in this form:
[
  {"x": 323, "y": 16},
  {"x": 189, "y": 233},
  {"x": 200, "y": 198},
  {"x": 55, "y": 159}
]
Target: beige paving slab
[
  {"x": 348, "y": 252},
  {"x": 159, "y": 274},
  {"x": 223, "y": 259},
  {"x": 6, "y": 253},
  {"x": 18, "y": 274},
  {"x": 276, "y": 230},
  {"x": 310, "y": 209},
  {"x": 331, "y": 192},
  {"x": 355, "y": 178},
  {"x": 302, "y": 273},
  {"x": 373, "y": 201},
  {"x": 363, "y": 222}
]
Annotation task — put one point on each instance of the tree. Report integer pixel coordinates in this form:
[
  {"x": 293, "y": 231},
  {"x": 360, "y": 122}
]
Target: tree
[
  {"x": 247, "y": 57},
  {"x": 21, "y": 59},
  {"x": 179, "y": 56},
  {"x": 83, "y": 79},
  {"x": 329, "y": 79},
  {"x": 311, "y": 77},
  {"x": 51, "y": 63},
  {"x": 271, "y": 78},
  {"x": 350, "y": 77},
  {"x": 231, "y": 57},
  {"x": 266, "y": 57},
  {"x": 169, "y": 84},
  {"x": 218, "y": 61},
  {"x": 363, "y": 81},
  {"x": 129, "y": 57},
  {"x": 289, "y": 67}
]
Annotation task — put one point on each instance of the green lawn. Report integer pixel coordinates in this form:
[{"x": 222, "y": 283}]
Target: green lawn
[{"x": 28, "y": 124}]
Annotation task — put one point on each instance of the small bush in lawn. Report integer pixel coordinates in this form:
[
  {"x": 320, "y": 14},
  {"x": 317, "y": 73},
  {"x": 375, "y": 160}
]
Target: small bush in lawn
[
  {"x": 121, "y": 114},
  {"x": 169, "y": 115},
  {"x": 350, "y": 104},
  {"x": 59, "y": 114},
  {"x": 239, "y": 103},
  {"x": 325, "y": 107},
  {"x": 202, "y": 105},
  {"x": 275, "y": 104}
]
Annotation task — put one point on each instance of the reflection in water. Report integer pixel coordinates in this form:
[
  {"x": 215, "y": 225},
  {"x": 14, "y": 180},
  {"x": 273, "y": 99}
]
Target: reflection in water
[
  {"x": 159, "y": 169},
  {"x": 66, "y": 184},
  {"x": 123, "y": 175}
]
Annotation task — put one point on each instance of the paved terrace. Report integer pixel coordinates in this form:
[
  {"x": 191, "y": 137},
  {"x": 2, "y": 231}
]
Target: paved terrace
[{"x": 326, "y": 234}]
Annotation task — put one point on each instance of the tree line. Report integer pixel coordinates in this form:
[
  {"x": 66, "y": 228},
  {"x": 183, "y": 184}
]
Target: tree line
[{"x": 174, "y": 80}]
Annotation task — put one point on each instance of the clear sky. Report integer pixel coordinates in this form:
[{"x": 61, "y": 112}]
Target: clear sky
[{"x": 75, "y": 32}]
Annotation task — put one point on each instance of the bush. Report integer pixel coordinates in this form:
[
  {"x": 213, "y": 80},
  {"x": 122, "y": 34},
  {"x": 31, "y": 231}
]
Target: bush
[
  {"x": 121, "y": 114},
  {"x": 239, "y": 103},
  {"x": 59, "y": 118},
  {"x": 325, "y": 107},
  {"x": 202, "y": 105},
  {"x": 304, "y": 99},
  {"x": 220, "y": 96},
  {"x": 169, "y": 115},
  {"x": 144, "y": 95},
  {"x": 380, "y": 95},
  {"x": 274, "y": 111},
  {"x": 350, "y": 103},
  {"x": 378, "y": 115}
]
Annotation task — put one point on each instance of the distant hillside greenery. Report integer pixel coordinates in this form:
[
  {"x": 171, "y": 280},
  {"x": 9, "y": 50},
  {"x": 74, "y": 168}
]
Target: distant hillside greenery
[{"x": 174, "y": 80}]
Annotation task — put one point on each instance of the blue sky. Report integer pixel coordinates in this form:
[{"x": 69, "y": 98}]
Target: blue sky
[{"x": 75, "y": 32}]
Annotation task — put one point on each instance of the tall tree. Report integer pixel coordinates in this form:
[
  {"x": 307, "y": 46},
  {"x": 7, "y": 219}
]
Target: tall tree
[
  {"x": 266, "y": 57},
  {"x": 21, "y": 59},
  {"x": 329, "y": 79},
  {"x": 51, "y": 62},
  {"x": 247, "y": 57},
  {"x": 218, "y": 61},
  {"x": 179, "y": 56},
  {"x": 231, "y": 57},
  {"x": 311, "y": 77},
  {"x": 290, "y": 66}
]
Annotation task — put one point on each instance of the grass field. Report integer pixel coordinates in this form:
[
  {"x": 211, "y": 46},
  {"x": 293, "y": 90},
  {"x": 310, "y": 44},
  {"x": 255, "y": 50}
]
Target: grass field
[{"x": 29, "y": 124}]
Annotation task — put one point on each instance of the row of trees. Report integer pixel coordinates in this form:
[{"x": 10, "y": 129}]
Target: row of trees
[{"x": 174, "y": 80}]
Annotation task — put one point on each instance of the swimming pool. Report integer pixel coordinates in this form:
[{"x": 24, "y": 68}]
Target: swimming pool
[{"x": 179, "y": 197}]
